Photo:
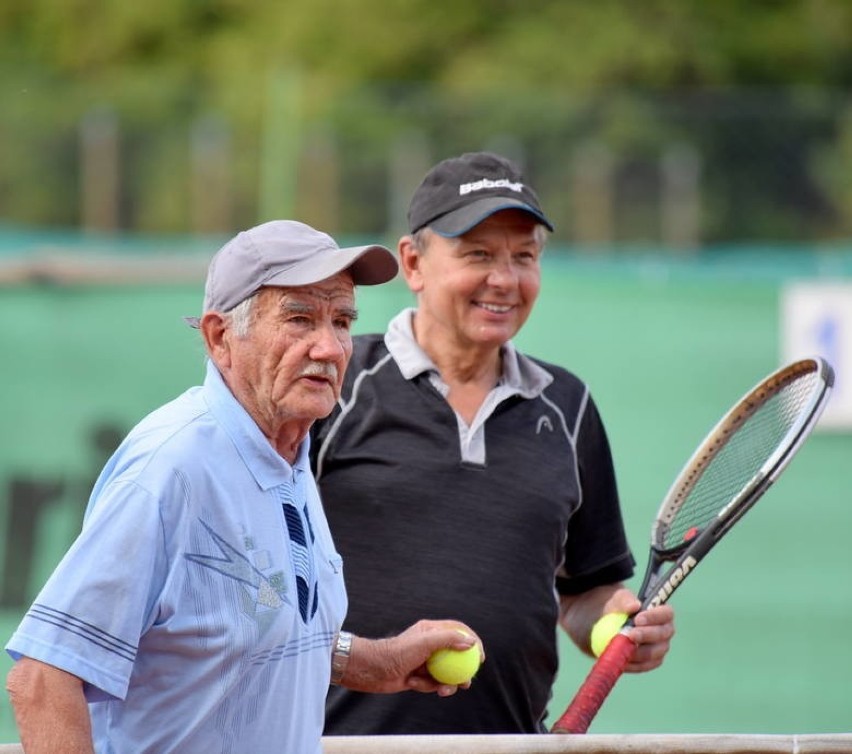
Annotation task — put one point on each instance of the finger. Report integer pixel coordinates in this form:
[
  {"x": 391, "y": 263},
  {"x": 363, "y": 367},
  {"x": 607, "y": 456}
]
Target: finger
[
  {"x": 655, "y": 616},
  {"x": 429, "y": 686},
  {"x": 643, "y": 667},
  {"x": 647, "y": 657},
  {"x": 455, "y": 638},
  {"x": 653, "y": 635}
]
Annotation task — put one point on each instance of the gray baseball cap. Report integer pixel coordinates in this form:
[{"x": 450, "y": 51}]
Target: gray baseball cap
[{"x": 286, "y": 253}]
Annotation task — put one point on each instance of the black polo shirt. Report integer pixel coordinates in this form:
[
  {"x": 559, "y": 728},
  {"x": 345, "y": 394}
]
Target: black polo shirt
[{"x": 485, "y": 524}]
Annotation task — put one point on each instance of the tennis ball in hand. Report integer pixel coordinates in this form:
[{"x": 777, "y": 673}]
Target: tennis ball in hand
[
  {"x": 454, "y": 666},
  {"x": 606, "y": 627}
]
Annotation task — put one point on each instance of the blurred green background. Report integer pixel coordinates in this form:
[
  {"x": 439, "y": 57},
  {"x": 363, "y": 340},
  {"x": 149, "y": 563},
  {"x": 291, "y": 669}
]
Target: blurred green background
[
  {"x": 695, "y": 157},
  {"x": 671, "y": 122}
]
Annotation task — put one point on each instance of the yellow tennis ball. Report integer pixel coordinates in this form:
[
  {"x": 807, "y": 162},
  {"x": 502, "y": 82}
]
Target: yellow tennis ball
[
  {"x": 454, "y": 666},
  {"x": 606, "y": 627}
]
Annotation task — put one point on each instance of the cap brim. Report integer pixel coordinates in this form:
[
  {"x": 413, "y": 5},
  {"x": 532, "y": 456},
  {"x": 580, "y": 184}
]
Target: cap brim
[
  {"x": 368, "y": 265},
  {"x": 460, "y": 221}
]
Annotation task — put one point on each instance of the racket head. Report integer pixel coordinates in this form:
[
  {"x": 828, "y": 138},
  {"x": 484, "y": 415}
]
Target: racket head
[
  {"x": 774, "y": 417},
  {"x": 746, "y": 450}
]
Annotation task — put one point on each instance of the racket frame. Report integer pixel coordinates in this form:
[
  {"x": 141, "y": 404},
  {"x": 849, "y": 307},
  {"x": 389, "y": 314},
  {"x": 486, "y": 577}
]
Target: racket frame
[
  {"x": 685, "y": 557},
  {"x": 657, "y": 589}
]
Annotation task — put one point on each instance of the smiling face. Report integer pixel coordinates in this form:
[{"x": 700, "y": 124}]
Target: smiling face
[
  {"x": 475, "y": 291},
  {"x": 287, "y": 370}
]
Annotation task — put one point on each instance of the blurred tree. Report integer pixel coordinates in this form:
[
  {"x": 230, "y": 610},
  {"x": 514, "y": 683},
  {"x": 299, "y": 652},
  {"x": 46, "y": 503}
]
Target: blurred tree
[{"x": 545, "y": 71}]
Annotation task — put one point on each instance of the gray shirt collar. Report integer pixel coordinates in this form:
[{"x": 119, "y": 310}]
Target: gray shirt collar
[{"x": 521, "y": 375}]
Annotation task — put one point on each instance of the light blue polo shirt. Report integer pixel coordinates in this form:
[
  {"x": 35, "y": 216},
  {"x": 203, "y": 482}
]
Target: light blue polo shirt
[{"x": 201, "y": 598}]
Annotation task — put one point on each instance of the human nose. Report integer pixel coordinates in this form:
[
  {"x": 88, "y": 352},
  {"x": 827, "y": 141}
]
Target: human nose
[
  {"x": 329, "y": 345},
  {"x": 503, "y": 274}
]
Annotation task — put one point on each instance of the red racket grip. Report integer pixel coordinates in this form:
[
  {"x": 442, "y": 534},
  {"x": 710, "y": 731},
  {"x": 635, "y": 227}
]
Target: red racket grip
[{"x": 595, "y": 689}]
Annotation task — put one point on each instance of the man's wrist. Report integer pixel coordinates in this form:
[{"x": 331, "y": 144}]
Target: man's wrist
[{"x": 340, "y": 656}]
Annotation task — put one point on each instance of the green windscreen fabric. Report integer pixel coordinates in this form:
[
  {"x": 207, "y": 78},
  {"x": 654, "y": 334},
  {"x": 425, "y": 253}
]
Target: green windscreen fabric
[{"x": 665, "y": 355}]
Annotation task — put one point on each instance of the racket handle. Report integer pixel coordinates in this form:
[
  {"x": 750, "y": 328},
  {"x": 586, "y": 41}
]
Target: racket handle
[{"x": 595, "y": 689}]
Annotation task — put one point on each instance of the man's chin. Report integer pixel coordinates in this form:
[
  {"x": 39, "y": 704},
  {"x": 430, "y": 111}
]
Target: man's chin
[
  {"x": 318, "y": 407},
  {"x": 492, "y": 336}
]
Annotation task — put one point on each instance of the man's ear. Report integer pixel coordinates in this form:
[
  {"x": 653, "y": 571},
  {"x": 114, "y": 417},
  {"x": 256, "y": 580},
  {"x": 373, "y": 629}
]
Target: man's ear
[
  {"x": 216, "y": 334},
  {"x": 409, "y": 263}
]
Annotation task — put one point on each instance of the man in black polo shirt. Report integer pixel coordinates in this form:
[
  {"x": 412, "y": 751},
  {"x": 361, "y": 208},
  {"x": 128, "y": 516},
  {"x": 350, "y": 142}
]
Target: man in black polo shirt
[{"x": 461, "y": 477}]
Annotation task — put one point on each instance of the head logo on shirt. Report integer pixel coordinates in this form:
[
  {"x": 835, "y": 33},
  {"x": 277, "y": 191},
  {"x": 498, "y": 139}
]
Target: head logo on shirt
[{"x": 543, "y": 423}]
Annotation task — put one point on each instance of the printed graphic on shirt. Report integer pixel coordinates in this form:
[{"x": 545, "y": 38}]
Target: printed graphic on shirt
[
  {"x": 306, "y": 582},
  {"x": 262, "y": 594}
]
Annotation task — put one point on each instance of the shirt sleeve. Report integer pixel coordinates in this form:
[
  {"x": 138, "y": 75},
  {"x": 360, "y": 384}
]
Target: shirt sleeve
[
  {"x": 596, "y": 550},
  {"x": 91, "y": 613}
]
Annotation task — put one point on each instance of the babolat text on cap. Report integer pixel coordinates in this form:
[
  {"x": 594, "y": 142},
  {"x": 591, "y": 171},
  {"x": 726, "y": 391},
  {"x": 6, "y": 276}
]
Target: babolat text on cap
[{"x": 460, "y": 192}]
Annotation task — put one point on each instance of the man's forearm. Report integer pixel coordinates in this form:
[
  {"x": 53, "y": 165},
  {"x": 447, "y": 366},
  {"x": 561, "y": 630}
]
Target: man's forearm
[
  {"x": 50, "y": 709},
  {"x": 578, "y": 613}
]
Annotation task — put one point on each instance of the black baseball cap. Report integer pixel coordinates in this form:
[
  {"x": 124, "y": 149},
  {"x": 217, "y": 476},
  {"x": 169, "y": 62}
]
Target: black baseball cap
[{"x": 460, "y": 192}]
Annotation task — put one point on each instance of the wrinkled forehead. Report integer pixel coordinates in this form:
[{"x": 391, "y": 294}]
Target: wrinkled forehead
[{"x": 336, "y": 291}]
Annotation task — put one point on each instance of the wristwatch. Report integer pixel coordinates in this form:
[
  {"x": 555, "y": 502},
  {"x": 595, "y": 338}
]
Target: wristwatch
[{"x": 340, "y": 656}]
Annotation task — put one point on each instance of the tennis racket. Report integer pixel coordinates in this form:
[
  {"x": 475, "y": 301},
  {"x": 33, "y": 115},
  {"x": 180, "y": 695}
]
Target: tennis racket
[{"x": 734, "y": 465}]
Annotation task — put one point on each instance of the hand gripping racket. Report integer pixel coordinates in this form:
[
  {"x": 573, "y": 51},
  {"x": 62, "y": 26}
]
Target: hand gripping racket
[{"x": 734, "y": 465}]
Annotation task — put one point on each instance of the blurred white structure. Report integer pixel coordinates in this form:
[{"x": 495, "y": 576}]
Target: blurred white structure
[{"x": 816, "y": 319}]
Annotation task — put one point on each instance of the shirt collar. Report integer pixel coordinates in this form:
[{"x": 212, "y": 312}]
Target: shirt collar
[
  {"x": 520, "y": 373},
  {"x": 267, "y": 467}
]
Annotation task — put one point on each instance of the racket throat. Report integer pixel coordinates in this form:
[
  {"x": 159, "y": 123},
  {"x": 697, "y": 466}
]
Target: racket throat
[{"x": 672, "y": 582}]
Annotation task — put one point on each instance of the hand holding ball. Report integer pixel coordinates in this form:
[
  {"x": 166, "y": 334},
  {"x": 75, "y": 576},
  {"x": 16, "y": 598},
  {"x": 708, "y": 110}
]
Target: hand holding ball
[
  {"x": 606, "y": 627},
  {"x": 454, "y": 666}
]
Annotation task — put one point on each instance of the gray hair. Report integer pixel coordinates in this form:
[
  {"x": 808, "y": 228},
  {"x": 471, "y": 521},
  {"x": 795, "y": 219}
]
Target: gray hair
[{"x": 239, "y": 318}]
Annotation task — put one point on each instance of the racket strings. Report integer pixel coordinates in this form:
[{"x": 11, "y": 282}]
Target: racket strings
[{"x": 731, "y": 461}]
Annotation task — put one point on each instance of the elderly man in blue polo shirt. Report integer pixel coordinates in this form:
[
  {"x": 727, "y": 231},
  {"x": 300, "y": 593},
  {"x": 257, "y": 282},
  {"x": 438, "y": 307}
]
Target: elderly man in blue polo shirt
[{"x": 200, "y": 608}]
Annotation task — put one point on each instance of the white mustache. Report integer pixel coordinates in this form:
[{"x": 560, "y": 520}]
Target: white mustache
[{"x": 320, "y": 369}]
